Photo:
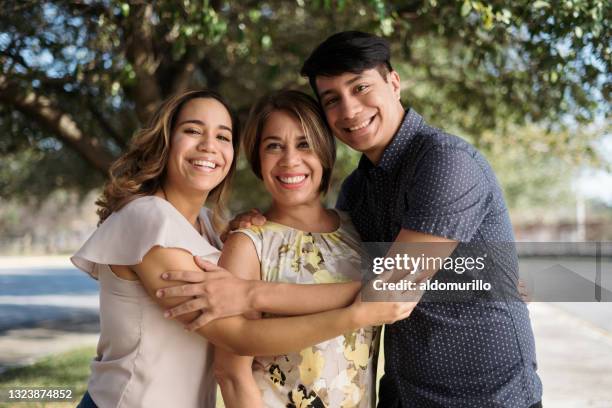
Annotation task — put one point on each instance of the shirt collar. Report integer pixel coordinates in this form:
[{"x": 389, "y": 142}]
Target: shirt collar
[{"x": 393, "y": 153}]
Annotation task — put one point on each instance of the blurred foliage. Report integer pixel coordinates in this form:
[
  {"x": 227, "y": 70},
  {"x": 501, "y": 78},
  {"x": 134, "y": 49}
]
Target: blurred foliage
[
  {"x": 532, "y": 177},
  {"x": 77, "y": 78}
]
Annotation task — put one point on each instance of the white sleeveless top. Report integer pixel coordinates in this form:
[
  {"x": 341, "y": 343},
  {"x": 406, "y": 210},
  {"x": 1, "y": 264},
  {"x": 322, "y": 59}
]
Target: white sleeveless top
[{"x": 144, "y": 359}]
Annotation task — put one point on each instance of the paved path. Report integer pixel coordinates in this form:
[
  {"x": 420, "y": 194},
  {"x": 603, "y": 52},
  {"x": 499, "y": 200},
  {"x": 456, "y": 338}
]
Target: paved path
[{"x": 574, "y": 359}]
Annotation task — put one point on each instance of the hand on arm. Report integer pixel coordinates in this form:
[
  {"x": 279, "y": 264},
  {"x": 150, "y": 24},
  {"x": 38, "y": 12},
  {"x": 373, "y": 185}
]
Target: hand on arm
[
  {"x": 233, "y": 373},
  {"x": 244, "y": 220},
  {"x": 256, "y": 337},
  {"x": 222, "y": 294},
  {"x": 288, "y": 334}
]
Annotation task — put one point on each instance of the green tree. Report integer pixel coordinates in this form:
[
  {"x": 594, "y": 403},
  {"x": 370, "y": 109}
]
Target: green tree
[{"x": 78, "y": 77}]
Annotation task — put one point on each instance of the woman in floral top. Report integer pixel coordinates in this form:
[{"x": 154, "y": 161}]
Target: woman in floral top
[{"x": 291, "y": 150}]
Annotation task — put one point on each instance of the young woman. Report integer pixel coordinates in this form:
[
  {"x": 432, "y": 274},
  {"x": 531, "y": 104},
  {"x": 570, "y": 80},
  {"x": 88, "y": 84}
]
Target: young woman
[
  {"x": 152, "y": 222},
  {"x": 292, "y": 151}
]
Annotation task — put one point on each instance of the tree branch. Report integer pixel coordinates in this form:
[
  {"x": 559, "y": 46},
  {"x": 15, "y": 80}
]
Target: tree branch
[
  {"x": 43, "y": 111},
  {"x": 140, "y": 52},
  {"x": 105, "y": 124}
]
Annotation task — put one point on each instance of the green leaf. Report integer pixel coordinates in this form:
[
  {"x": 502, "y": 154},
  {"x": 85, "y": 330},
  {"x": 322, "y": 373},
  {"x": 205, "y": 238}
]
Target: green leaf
[
  {"x": 578, "y": 32},
  {"x": 541, "y": 4},
  {"x": 554, "y": 76},
  {"x": 266, "y": 41},
  {"x": 254, "y": 15},
  {"x": 386, "y": 26},
  {"x": 466, "y": 8}
]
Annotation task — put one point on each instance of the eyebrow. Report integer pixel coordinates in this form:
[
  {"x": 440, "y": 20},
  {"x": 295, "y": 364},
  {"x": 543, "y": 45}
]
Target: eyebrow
[
  {"x": 270, "y": 137},
  {"x": 199, "y": 122},
  {"x": 273, "y": 137},
  {"x": 348, "y": 82}
]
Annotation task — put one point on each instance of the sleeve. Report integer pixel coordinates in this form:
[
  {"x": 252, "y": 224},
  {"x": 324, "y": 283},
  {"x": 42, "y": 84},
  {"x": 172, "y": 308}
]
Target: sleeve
[
  {"x": 256, "y": 235},
  {"x": 448, "y": 196},
  {"x": 128, "y": 235},
  {"x": 206, "y": 216}
]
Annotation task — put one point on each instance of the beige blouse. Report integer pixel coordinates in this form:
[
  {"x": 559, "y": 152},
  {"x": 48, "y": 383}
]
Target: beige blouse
[{"x": 143, "y": 359}]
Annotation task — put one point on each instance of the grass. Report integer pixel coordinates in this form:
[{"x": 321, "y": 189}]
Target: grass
[
  {"x": 66, "y": 370},
  {"x": 69, "y": 370}
]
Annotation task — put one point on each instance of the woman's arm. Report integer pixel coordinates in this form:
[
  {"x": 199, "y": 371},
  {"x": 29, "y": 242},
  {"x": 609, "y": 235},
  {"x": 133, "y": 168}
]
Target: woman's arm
[
  {"x": 223, "y": 294},
  {"x": 267, "y": 336},
  {"x": 235, "y": 377},
  {"x": 298, "y": 299},
  {"x": 234, "y": 373}
]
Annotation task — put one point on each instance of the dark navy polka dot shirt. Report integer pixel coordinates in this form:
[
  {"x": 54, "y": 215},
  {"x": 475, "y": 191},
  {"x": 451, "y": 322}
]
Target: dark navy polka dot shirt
[{"x": 446, "y": 354}]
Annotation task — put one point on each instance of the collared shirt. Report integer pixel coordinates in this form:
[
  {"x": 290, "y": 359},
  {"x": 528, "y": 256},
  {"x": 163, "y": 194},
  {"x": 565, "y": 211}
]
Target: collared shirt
[{"x": 446, "y": 354}]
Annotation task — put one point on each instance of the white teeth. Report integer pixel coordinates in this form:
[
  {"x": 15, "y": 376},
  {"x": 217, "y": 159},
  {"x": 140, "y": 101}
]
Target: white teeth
[
  {"x": 361, "y": 125},
  {"x": 292, "y": 180},
  {"x": 204, "y": 163}
]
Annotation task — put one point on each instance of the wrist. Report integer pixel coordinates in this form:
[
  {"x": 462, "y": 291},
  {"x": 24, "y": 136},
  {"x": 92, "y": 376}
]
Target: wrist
[
  {"x": 255, "y": 296},
  {"x": 356, "y": 318}
]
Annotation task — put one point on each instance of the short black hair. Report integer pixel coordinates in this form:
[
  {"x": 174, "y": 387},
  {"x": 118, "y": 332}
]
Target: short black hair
[{"x": 347, "y": 51}]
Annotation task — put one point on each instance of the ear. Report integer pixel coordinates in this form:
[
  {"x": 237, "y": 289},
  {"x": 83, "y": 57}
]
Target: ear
[{"x": 394, "y": 79}]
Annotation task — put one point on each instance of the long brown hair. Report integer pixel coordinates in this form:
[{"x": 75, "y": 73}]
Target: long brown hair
[{"x": 141, "y": 169}]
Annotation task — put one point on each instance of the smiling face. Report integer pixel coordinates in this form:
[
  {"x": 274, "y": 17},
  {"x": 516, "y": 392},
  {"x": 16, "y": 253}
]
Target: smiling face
[
  {"x": 201, "y": 150},
  {"x": 290, "y": 169},
  {"x": 363, "y": 110}
]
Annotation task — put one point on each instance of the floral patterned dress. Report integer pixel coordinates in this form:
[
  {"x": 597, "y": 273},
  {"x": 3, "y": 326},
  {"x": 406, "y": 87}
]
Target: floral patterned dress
[{"x": 339, "y": 372}]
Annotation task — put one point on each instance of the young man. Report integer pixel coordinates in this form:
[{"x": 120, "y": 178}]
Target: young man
[{"x": 415, "y": 183}]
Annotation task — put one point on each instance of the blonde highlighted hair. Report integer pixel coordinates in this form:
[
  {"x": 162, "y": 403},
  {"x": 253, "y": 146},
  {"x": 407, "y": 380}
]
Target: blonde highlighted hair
[
  {"x": 308, "y": 112},
  {"x": 140, "y": 171}
]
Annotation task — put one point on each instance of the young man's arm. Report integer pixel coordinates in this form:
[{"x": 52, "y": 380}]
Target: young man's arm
[
  {"x": 447, "y": 202},
  {"x": 415, "y": 245}
]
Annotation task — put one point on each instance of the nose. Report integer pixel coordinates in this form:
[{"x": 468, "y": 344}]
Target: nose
[
  {"x": 350, "y": 107},
  {"x": 207, "y": 143},
  {"x": 291, "y": 157}
]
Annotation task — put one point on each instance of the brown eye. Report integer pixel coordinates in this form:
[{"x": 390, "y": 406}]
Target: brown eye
[
  {"x": 192, "y": 131},
  {"x": 273, "y": 146},
  {"x": 330, "y": 101}
]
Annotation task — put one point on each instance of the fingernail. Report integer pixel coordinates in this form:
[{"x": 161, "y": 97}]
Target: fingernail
[
  {"x": 160, "y": 293},
  {"x": 164, "y": 275},
  {"x": 166, "y": 314}
]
